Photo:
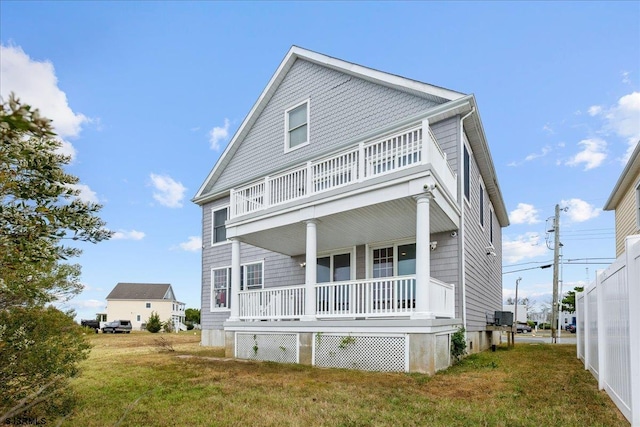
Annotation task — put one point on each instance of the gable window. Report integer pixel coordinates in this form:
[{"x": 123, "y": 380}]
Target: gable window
[
  {"x": 148, "y": 305},
  {"x": 297, "y": 126},
  {"x": 466, "y": 172},
  {"x": 481, "y": 206},
  {"x": 220, "y": 288},
  {"x": 219, "y": 229}
]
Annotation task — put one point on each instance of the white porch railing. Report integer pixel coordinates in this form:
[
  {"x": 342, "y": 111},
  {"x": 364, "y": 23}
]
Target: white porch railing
[
  {"x": 364, "y": 161},
  {"x": 272, "y": 303},
  {"x": 383, "y": 297}
]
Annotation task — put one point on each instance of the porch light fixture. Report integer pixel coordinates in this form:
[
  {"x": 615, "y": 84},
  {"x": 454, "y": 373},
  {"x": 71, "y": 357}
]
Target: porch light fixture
[
  {"x": 433, "y": 245},
  {"x": 303, "y": 264}
]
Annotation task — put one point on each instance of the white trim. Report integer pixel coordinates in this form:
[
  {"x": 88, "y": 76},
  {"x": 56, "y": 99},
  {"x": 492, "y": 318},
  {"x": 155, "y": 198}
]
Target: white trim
[
  {"x": 481, "y": 203},
  {"x": 287, "y": 142},
  {"x": 211, "y": 305},
  {"x": 213, "y": 224}
]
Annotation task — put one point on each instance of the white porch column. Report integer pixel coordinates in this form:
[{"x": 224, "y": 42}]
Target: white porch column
[
  {"x": 235, "y": 280},
  {"x": 423, "y": 264},
  {"x": 310, "y": 272}
]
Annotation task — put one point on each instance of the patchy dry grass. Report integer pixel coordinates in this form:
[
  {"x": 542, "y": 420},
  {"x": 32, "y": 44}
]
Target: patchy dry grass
[{"x": 128, "y": 381}]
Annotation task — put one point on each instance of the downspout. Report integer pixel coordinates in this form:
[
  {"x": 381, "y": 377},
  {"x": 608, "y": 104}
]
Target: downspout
[{"x": 462, "y": 224}]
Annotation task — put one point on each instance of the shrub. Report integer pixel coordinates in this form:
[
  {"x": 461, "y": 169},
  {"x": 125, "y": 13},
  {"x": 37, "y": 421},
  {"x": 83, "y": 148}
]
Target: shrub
[
  {"x": 167, "y": 326},
  {"x": 458, "y": 344},
  {"x": 189, "y": 325},
  {"x": 153, "y": 323}
]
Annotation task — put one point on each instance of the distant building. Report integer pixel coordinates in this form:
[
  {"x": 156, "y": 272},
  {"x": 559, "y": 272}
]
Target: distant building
[
  {"x": 136, "y": 301},
  {"x": 523, "y": 314}
]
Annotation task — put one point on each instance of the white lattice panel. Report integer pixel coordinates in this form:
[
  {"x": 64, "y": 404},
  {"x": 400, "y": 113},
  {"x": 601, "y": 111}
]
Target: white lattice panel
[
  {"x": 272, "y": 347},
  {"x": 367, "y": 353}
]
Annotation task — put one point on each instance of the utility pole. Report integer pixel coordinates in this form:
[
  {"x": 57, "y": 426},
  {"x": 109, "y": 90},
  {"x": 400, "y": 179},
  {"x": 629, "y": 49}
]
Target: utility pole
[
  {"x": 556, "y": 257},
  {"x": 514, "y": 327}
]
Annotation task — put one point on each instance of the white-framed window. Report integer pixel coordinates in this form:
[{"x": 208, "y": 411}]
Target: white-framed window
[
  {"x": 393, "y": 259},
  {"x": 491, "y": 226},
  {"x": 138, "y": 318},
  {"x": 218, "y": 228},
  {"x": 252, "y": 276},
  {"x": 220, "y": 288},
  {"x": 296, "y": 123},
  {"x": 148, "y": 305},
  {"x": 467, "y": 175},
  {"x": 336, "y": 266},
  {"x": 481, "y": 206},
  {"x": 638, "y": 205}
]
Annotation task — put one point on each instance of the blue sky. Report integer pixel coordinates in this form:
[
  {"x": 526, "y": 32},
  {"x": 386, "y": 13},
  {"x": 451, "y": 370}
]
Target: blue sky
[{"x": 146, "y": 95}]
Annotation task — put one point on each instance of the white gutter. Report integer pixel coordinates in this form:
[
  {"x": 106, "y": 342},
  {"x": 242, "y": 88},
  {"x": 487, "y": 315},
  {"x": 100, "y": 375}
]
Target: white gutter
[{"x": 463, "y": 225}]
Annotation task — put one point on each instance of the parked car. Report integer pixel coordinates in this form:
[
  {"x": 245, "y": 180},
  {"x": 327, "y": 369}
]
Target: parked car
[
  {"x": 116, "y": 326},
  {"x": 93, "y": 324},
  {"x": 523, "y": 328},
  {"x": 571, "y": 328}
]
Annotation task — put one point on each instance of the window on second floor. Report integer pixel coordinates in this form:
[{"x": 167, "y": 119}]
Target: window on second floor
[
  {"x": 297, "y": 126},
  {"x": 148, "y": 305},
  {"x": 466, "y": 173},
  {"x": 638, "y": 205},
  {"x": 219, "y": 229}
]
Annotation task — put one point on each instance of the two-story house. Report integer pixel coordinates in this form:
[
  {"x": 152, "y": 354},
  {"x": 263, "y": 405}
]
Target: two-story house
[
  {"x": 625, "y": 201},
  {"x": 354, "y": 220},
  {"x": 136, "y": 302}
]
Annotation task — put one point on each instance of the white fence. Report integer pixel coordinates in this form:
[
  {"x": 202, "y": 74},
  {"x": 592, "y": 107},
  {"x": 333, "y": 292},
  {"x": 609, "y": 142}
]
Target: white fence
[{"x": 609, "y": 330}]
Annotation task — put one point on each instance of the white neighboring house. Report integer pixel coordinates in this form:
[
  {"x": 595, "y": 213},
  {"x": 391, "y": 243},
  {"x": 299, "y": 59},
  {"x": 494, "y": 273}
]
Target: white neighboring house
[
  {"x": 523, "y": 314},
  {"x": 354, "y": 220},
  {"x": 136, "y": 301}
]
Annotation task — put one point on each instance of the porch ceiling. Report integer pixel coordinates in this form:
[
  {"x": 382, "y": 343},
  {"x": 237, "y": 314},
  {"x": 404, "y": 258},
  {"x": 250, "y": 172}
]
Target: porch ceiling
[{"x": 380, "y": 222}]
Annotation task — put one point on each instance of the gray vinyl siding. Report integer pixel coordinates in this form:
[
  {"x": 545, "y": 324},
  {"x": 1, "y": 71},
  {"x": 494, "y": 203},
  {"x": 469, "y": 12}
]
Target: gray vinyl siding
[
  {"x": 342, "y": 108},
  {"x": 447, "y": 132},
  {"x": 483, "y": 273},
  {"x": 279, "y": 269},
  {"x": 361, "y": 267},
  {"x": 445, "y": 263}
]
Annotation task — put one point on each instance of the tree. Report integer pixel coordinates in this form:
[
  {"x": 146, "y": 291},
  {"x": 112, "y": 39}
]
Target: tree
[
  {"x": 153, "y": 323},
  {"x": 192, "y": 315},
  {"x": 40, "y": 213},
  {"x": 569, "y": 300}
]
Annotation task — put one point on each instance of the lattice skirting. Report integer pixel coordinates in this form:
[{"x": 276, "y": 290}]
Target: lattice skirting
[
  {"x": 368, "y": 353},
  {"x": 263, "y": 346}
]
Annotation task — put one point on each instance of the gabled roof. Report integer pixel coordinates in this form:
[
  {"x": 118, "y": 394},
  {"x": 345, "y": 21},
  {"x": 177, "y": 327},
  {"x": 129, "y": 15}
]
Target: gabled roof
[
  {"x": 142, "y": 291},
  {"x": 375, "y": 76},
  {"x": 627, "y": 176}
]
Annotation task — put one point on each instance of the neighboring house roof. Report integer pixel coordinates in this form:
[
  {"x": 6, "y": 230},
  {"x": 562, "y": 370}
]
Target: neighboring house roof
[
  {"x": 142, "y": 291},
  {"x": 626, "y": 179},
  {"x": 451, "y": 103}
]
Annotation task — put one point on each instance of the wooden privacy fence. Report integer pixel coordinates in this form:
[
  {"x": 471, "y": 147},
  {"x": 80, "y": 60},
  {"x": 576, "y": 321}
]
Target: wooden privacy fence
[{"x": 608, "y": 330}]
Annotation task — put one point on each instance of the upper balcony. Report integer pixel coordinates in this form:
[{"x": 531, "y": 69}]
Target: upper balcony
[{"x": 410, "y": 147}]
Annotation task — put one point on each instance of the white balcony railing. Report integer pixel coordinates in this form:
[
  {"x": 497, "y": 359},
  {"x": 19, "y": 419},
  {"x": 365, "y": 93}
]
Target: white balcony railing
[
  {"x": 364, "y": 161},
  {"x": 383, "y": 297}
]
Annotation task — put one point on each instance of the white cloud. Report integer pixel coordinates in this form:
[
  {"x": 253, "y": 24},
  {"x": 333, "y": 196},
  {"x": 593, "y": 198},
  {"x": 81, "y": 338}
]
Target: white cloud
[
  {"x": 524, "y": 214},
  {"x": 548, "y": 129},
  {"x": 545, "y": 150},
  {"x": 36, "y": 84},
  {"x": 168, "y": 191},
  {"x": 81, "y": 304},
  {"x": 594, "y": 110},
  {"x": 624, "y": 118},
  {"x": 194, "y": 244},
  {"x": 625, "y": 77},
  {"x": 218, "y": 134},
  {"x": 86, "y": 194},
  {"x": 579, "y": 210},
  {"x": 524, "y": 246},
  {"x": 592, "y": 155},
  {"x": 128, "y": 235}
]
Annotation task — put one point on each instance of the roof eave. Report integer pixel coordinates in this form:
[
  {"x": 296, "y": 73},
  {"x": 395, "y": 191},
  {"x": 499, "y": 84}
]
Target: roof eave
[{"x": 629, "y": 171}]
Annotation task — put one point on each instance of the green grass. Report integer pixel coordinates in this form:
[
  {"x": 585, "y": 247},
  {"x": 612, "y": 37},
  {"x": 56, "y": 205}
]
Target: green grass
[{"x": 127, "y": 380}]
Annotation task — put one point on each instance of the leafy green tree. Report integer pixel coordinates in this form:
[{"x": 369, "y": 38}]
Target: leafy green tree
[
  {"x": 569, "y": 300},
  {"x": 192, "y": 315},
  {"x": 153, "y": 323},
  {"x": 40, "y": 214}
]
